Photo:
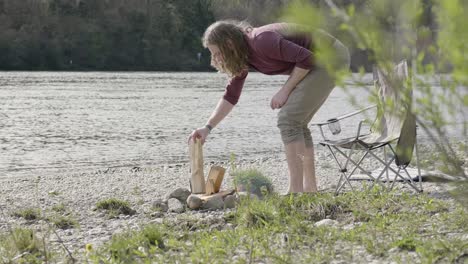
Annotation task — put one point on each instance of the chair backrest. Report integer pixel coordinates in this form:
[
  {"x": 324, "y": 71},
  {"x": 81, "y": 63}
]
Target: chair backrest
[{"x": 395, "y": 121}]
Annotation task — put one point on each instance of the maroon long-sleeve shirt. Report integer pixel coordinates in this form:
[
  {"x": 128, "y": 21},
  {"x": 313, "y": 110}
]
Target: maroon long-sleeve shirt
[{"x": 273, "y": 49}]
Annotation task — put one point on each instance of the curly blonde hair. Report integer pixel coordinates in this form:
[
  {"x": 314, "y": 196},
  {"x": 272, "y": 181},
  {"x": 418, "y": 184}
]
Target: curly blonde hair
[{"x": 231, "y": 39}]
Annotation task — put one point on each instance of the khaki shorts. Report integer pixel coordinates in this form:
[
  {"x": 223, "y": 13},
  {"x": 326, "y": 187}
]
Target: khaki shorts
[{"x": 308, "y": 96}]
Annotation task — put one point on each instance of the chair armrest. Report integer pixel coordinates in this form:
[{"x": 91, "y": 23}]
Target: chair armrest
[
  {"x": 359, "y": 129},
  {"x": 343, "y": 116},
  {"x": 333, "y": 120}
]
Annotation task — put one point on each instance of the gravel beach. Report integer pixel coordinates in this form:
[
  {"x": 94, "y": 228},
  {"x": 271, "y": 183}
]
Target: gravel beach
[{"x": 78, "y": 193}]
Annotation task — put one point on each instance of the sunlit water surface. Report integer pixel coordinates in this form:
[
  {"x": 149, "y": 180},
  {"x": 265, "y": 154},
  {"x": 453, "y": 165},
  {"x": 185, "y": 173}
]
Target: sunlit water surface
[{"x": 56, "y": 122}]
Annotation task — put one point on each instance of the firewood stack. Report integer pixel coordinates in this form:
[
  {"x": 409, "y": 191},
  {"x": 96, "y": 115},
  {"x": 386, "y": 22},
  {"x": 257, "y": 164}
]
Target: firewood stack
[{"x": 206, "y": 194}]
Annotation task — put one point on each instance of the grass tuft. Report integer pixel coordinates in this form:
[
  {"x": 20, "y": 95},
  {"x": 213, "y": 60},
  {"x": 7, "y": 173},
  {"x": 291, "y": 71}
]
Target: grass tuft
[
  {"x": 22, "y": 246},
  {"x": 28, "y": 214},
  {"x": 115, "y": 207},
  {"x": 255, "y": 213},
  {"x": 408, "y": 244},
  {"x": 60, "y": 208},
  {"x": 62, "y": 222},
  {"x": 132, "y": 246}
]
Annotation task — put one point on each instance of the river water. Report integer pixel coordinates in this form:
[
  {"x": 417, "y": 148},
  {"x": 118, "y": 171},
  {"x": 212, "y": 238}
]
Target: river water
[{"x": 60, "y": 122}]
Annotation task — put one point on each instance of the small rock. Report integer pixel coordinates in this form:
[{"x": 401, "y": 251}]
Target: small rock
[
  {"x": 175, "y": 206},
  {"x": 326, "y": 222},
  {"x": 136, "y": 169},
  {"x": 214, "y": 204},
  {"x": 160, "y": 205},
  {"x": 180, "y": 194},
  {"x": 142, "y": 250},
  {"x": 230, "y": 201},
  {"x": 156, "y": 221},
  {"x": 158, "y": 214},
  {"x": 194, "y": 202},
  {"x": 245, "y": 195},
  {"x": 349, "y": 226}
]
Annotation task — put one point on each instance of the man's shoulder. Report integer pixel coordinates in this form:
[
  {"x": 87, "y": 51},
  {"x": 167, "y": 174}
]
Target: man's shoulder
[
  {"x": 274, "y": 28},
  {"x": 265, "y": 35}
]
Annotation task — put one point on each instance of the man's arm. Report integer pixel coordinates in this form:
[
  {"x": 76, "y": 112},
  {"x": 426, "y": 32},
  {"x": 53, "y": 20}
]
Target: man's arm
[
  {"x": 280, "y": 98},
  {"x": 221, "y": 111}
]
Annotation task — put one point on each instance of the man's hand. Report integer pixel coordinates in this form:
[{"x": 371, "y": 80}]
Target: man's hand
[
  {"x": 201, "y": 133},
  {"x": 279, "y": 99}
]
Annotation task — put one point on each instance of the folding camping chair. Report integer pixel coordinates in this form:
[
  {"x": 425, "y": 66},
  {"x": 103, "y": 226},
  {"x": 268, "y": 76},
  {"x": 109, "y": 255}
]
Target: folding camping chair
[{"x": 395, "y": 124}]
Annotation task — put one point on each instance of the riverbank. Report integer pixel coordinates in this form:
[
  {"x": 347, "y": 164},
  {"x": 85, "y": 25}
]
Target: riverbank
[{"x": 73, "y": 198}]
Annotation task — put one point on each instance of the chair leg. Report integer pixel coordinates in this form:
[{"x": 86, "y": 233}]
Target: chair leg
[
  {"x": 386, "y": 161},
  {"x": 409, "y": 179},
  {"x": 345, "y": 169},
  {"x": 347, "y": 177},
  {"x": 355, "y": 167},
  {"x": 356, "y": 164},
  {"x": 385, "y": 170},
  {"x": 397, "y": 173},
  {"x": 410, "y": 182},
  {"x": 417, "y": 163},
  {"x": 395, "y": 179},
  {"x": 345, "y": 174},
  {"x": 342, "y": 170}
]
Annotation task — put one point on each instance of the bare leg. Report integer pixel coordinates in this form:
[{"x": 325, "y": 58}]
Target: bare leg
[
  {"x": 294, "y": 157},
  {"x": 310, "y": 183}
]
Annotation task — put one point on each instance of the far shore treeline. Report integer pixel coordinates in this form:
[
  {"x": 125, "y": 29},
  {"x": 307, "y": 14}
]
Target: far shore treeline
[{"x": 126, "y": 35}]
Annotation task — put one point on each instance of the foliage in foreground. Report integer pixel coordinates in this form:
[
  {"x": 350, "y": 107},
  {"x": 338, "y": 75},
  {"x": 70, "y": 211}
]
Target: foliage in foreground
[
  {"x": 395, "y": 30},
  {"x": 281, "y": 229},
  {"x": 22, "y": 246},
  {"x": 399, "y": 227}
]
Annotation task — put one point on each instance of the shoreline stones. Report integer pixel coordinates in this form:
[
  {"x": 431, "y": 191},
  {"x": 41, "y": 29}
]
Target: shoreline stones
[
  {"x": 180, "y": 194},
  {"x": 194, "y": 202},
  {"x": 160, "y": 205},
  {"x": 180, "y": 199}
]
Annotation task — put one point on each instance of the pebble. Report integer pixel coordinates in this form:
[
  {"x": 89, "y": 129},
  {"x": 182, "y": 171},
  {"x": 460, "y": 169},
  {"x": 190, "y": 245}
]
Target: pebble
[
  {"x": 326, "y": 222},
  {"x": 175, "y": 206}
]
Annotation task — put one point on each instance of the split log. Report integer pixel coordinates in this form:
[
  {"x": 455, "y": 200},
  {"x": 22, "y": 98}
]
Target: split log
[
  {"x": 214, "y": 180},
  {"x": 222, "y": 194},
  {"x": 197, "y": 182}
]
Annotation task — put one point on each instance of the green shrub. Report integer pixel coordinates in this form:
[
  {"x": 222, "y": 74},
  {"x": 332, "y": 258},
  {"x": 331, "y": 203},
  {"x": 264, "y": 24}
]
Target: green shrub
[{"x": 252, "y": 180}]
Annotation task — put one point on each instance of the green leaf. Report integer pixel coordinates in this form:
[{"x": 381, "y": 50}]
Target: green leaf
[
  {"x": 351, "y": 10},
  {"x": 344, "y": 27}
]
